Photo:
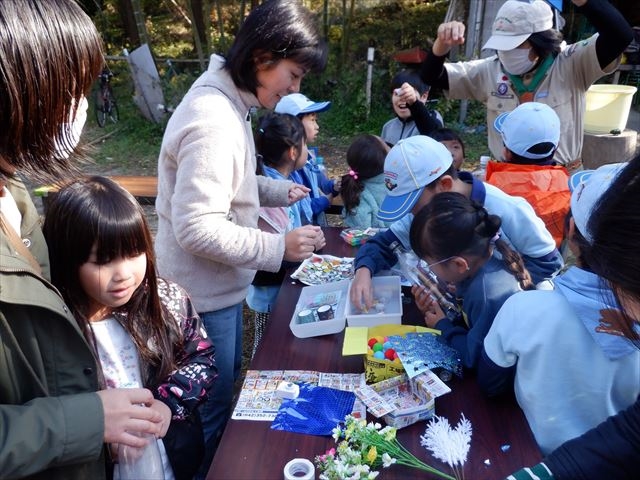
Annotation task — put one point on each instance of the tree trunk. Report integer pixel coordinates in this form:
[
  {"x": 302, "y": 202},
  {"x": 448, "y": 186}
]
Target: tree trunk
[
  {"x": 139, "y": 17},
  {"x": 198, "y": 29},
  {"x": 128, "y": 22},
  {"x": 325, "y": 18}
]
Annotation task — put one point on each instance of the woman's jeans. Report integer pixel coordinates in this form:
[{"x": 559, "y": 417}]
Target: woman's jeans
[{"x": 224, "y": 328}]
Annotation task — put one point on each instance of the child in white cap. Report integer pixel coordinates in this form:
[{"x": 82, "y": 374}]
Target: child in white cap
[
  {"x": 531, "y": 65},
  {"x": 415, "y": 170},
  {"x": 572, "y": 370},
  {"x": 323, "y": 189},
  {"x": 531, "y": 134}
]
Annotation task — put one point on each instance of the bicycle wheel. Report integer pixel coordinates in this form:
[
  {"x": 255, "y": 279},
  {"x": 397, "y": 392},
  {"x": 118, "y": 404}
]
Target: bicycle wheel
[
  {"x": 113, "y": 110},
  {"x": 101, "y": 114}
]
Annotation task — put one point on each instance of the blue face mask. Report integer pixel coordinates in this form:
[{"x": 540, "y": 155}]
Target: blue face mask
[{"x": 516, "y": 61}]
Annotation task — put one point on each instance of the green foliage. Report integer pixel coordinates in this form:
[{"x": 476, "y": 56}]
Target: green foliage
[
  {"x": 389, "y": 26},
  {"x": 132, "y": 144}
]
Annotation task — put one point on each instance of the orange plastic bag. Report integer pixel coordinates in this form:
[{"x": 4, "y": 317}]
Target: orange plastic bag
[{"x": 544, "y": 187}]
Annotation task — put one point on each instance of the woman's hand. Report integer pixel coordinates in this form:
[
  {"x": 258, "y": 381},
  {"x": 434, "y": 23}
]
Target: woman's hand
[
  {"x": 300, "y": 243},
  {"x": 297, "y": 192},
  {"x": 127, "y": 415},
  {"x": 450, "y": 34}
]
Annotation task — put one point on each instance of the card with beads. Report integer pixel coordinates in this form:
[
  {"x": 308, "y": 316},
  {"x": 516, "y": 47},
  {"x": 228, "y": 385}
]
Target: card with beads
[{"x": 319, "y": 269}]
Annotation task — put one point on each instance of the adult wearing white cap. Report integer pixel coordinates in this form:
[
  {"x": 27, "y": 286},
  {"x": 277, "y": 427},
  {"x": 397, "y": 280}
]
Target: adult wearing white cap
[{"x": 531, "y": 66}]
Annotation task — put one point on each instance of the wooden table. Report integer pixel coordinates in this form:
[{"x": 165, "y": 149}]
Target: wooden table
[{"x": 501, "y": 443}]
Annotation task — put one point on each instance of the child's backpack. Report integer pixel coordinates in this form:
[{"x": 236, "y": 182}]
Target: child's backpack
[{"x": 545, "y": 187}]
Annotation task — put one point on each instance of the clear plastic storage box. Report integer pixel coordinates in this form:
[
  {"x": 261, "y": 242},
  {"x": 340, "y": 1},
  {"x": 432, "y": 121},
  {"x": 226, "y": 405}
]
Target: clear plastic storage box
[
  {"x": 320, "y": 310},
  {"x": 387, "y": 294}
]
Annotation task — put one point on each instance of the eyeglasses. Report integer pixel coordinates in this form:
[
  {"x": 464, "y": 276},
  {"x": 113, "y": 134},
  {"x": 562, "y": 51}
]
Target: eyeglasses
[{"x": 430, "y": 265}]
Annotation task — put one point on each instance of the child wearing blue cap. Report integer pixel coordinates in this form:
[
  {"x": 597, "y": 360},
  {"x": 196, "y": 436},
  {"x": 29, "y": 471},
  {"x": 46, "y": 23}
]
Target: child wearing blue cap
[
  {"x": 572, "y": 369},
  {"x": 323, "y": 189},
  {"x": 415, "y": 170}
]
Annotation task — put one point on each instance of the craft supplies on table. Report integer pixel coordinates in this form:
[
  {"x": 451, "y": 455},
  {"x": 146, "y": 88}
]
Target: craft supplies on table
[
  {"x": 321, "y": 269},
  {"x": 320, "y": 310}
]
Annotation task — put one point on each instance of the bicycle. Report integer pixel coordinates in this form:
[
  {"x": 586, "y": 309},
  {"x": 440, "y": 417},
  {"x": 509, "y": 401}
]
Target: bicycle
[{"x": 105, "y": 100}]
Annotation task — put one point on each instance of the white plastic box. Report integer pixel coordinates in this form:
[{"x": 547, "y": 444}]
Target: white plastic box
[
  {"x": 387, "y": 292},
  {"x": 314, "y": 297}
]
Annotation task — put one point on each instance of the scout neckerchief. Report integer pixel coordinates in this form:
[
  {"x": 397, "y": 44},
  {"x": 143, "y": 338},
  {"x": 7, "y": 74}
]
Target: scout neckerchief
[{"x": 525, "y": 92}]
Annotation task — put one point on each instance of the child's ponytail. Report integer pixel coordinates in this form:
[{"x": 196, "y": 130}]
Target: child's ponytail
[
  {"x": 515, "y": 264},
  {"x": 489, "y": 227}
]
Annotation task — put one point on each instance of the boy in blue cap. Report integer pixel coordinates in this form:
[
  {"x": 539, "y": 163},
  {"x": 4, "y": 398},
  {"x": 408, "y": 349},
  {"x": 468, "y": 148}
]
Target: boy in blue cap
[
  {"x": 323, "y": 189},
  {"x": 417, "y": 168}
]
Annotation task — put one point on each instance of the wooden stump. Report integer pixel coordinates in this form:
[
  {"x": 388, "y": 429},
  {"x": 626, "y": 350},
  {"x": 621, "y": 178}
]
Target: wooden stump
[{"x": 600, "y": 149}]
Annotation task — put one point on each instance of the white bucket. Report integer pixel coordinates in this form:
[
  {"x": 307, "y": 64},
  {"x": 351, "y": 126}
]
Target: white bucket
[{"x": 607, "y": 108}]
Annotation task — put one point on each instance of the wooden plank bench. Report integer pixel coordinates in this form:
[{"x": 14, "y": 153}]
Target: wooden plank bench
[{"x": 144, "y": 188}]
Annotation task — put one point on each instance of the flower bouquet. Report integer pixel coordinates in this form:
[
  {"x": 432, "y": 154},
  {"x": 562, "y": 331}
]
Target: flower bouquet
[{"x": 365, "y": 447}]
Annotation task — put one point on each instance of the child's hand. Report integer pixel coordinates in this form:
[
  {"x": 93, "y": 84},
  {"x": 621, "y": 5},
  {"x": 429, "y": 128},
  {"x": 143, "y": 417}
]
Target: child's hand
[
  {"x": 362, "y": 290},
  {"x": 337, "y": 184},
  {"x": 407, "y": 94},
  {"x": 297, "y": 192},
  {"x": 429, "y": 307},
  {"x": 164, "y": 410}
]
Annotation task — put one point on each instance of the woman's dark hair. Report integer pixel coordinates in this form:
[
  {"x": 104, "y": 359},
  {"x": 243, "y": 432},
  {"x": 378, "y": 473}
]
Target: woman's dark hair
[
  {"x": 447, "y": 134},
  {"x": 615, "y": 228},
  {"x": 276, "y": 134},
  {"x": 451, "y": 225},
  {"x": 50, "y": 55},
  {"x": 546, "y": 43},
  {"x": 411, "y": 77},
  {"x": 97, "y": 211},
  {"x": 365, "y": 157},
  {"x": 273, "y": 31}
]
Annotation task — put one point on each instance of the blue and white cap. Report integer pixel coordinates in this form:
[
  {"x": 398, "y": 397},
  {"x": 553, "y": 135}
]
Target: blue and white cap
[
  {"x": 587, "y": 186},
  {"x": 297, "y": 104},
  {"x": 528, "y": 125},
  {"x": 412, "y": 164}
]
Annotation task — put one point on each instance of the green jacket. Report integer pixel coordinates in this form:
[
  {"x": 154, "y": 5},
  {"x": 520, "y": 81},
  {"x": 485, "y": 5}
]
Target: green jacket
[{"x": 51, "y": 420}]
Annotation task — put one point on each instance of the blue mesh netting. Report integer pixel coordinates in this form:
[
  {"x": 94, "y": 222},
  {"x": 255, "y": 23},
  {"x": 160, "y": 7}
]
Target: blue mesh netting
[{"x": 316, "y": 411}]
